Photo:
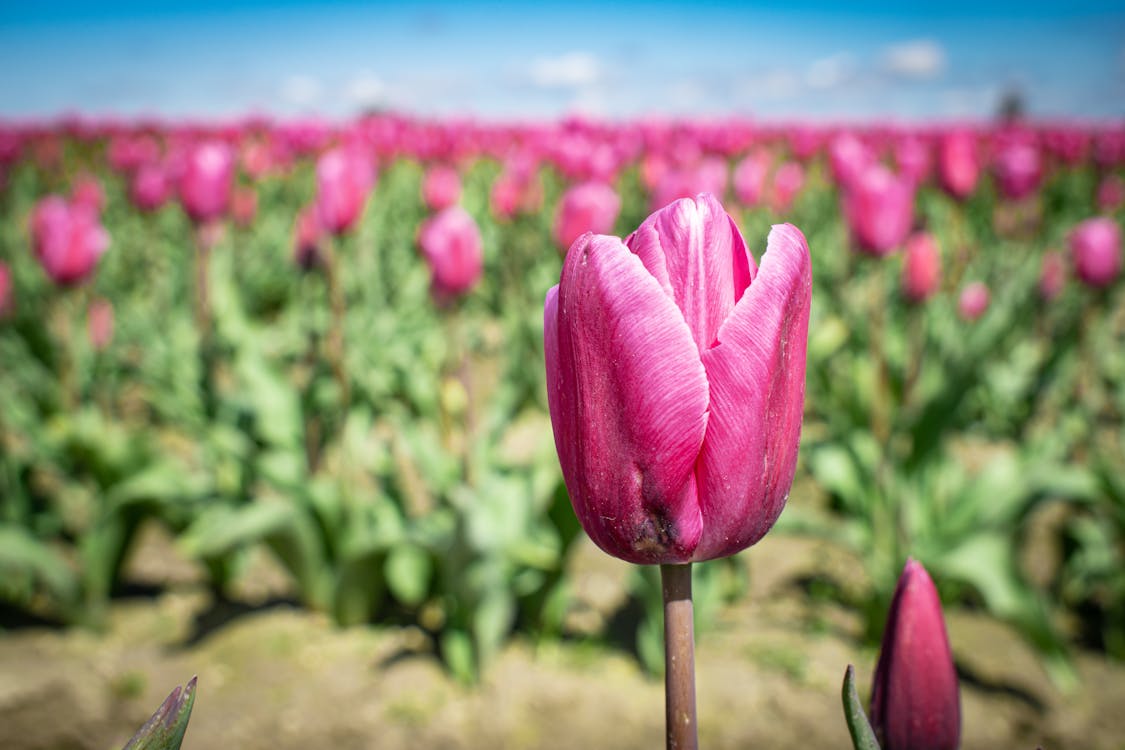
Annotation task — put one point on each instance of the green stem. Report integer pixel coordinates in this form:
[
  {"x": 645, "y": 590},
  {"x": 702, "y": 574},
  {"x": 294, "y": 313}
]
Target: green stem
[{"x": 679, "y": 658}]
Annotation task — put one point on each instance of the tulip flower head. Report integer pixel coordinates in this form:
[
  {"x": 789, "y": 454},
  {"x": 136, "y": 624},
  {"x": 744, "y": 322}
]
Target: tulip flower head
[
  {"x": 589, "y": 207},
  {"x": 451, "y": 244},
  {"x": 441, "y": 187},
  {"x": 787, "y": 183},
  {"x": 973, "y": 301},
  {"x": 1018, "y": 168},
  {"x": 1052, "y": 276},
  {"x": 879, "y": 207},
  {"x": 7, "y": 302},
  {"x": 676, "y": 380},
  {"x": 344, "y": 178},
  {"x": 749, "y": 178},
  {"x": 958, "y": 163},
  {"x": 915, "y": 698},
  {"x": 921, "y": 267},
  {"x": 150, "y": 187},
  {"x": 206, "y": 180},
  {"x": 67, "y": 239},
  {"x": 1095, "y": 249},
  {"x": 87, "y": 192}
]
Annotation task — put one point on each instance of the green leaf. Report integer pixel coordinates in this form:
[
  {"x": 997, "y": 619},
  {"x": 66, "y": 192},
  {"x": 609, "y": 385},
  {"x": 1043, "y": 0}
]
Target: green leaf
[
  {"x": 457, "y": 651},
  {"x": 165, "y": 729},
  {"x": 863, "y": 737},
  {"x": 21, "y": 553},
  {"x": 409, "y": 570}
]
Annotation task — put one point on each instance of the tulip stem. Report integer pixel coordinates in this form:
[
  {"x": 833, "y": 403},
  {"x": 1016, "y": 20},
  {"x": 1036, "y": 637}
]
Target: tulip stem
[
  {"x": 679, "y": 658},
  {"x": 336, "y": 357}
]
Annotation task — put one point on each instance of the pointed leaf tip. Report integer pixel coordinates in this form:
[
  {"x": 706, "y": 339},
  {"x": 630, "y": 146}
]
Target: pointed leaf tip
[
  {"x": 166, "y": 727},
  {"x": 863, "y": 737}
]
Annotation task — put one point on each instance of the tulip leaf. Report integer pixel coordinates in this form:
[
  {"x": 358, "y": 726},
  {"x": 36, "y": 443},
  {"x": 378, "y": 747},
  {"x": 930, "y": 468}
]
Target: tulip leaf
[
  {"x": 863, "y": 737},
  {"x": 408, "y": 572},
  {"x": 165, "y": 729}
]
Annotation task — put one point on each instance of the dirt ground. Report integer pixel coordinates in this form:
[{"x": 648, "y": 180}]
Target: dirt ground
[{"x": 281, "y": 677}]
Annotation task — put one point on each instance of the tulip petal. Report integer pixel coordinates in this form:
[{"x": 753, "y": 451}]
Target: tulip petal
[
  {"x": 756, "y": 373},
  {"x": 628, "y": 400},
  {"x": 696, "y": 252}
]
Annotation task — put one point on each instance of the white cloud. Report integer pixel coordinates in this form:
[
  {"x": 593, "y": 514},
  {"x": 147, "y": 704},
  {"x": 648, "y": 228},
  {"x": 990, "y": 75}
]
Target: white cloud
[
  {"x": 918, "y": 59},
  {"x": 572, "y": 70},
  {"x": 366, "y": 90},
  {"x": 301, "y": 90},
  {"x": 830, "y": 72},
  {"x": 776, "y": 83}
]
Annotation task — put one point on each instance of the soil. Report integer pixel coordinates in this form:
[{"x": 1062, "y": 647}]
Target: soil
[{"x": 272, "y": 675}]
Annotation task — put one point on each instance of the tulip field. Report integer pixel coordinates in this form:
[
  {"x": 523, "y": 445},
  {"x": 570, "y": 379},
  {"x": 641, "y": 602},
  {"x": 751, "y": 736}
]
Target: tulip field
[{"x": 316, "y": 354}]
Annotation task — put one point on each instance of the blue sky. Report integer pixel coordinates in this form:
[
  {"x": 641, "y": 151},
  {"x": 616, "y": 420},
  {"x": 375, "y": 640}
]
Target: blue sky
[{"x": 503, "y": 60}]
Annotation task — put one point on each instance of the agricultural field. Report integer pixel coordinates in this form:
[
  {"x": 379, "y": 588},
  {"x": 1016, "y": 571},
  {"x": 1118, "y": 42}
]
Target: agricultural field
[{"x": 274, "y": 411}]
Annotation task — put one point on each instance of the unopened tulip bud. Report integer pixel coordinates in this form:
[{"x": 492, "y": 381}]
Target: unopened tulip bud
[
  {"x": 958, "y": 163},
  {"x": 1095, "y": 249},
  {"x": 973, "y": 302},
  {"x": 921, "y": 267},
  {"x": 441, "y": 187},
  {"x": 589, "y": 207},
  {"x": 915, "y": 698},
  {"x": 675, "y": 380},
  {"x": 206, "y": 181},
  {"x": 879, "y": 208},
  {"x": 344, "y": 179},
  {"x": 67, "y": 239},
  {"x": 451, "y": 244}
]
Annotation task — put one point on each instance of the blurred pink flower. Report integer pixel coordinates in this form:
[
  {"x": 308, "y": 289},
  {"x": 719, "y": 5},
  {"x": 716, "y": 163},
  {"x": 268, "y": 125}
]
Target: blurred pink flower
[
  {"x": 1111, "y": 193},
  {"x": 879, "y": 209},
  {"x": 1018, "y": 168},
  {"x": 1052, "y": 276},
  {"x": 1095, "y": 249},
  {"x": 848, "y": 158},
  {"x": 67, "y": 239},
  {"x": 150, "y": 188},
  {"x": 206, "y": 181},
  {"x": 345, "y": 176},
  {"x": 589, "y": 207},
  {"x": 244, "y": 206},
  {"x": 441, "y": 187},
  {"x": 958, "y": 163},
  {"x": 749, "y": 177},
  {"x": 973, "y": 301},
  {"x": 87, "y": 191},
  {"x": 921, "y": 267},
  {"x": 451, "y": 244},
  {"x": 307, "y": 236},
  {"x": 788, "y": 180},
  {"x": 99, "y": 323}
]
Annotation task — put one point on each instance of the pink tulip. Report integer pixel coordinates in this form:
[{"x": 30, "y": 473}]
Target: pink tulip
[
  {"x": 921, "y": 267},
  {"x": 150, "y": 188},
  {"x": 87, "y": 192},
  {"x": 1018, "y": 169},
  {"x": 848, "y": 158},
  {"x": 912, "y": 157},
  {"x": 99, "y": 323},
  {"x": 787, "y": 183},
  {"x": 589, "y": 207},
  {"x": 244, "y": 206},
  {"x": 1052, "y": 276},
  {"x": 973, "y": 302},
  {"x": 675, "y": 380},
  {"x": 879, "y": 208},
  {"x": 206, "y": 181},
  {"x": 451, "y": 244},
  {"x": 1095, "y": 249},
  {"x": 1111, "y": 194},
  {"x": 344, "y": 179},
  {"x": 441, "y": 187},
  {"x": 749, "y": 178},
  {"x": 67, "y": 239},
  {"x": 7, "y": 298},
  {"x": 307, "y": 236},
  {"x": 958, "y": 163},
  {"x": 915, "y": 698}
]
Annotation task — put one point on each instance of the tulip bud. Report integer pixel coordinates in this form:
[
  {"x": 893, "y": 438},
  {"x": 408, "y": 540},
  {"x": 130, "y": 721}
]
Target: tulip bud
[
  {"x": 1052, "y": 276},
  {"x": 787, "y": 183},
  {"x": 99, "y": 323},
  {"x": 150, "y": 187},
  {"x": 958, "y": 163},
  {"x": 7, "y": 299},
  {"x": 1111, "y": 194},
  {"x": 589, "y": 207},
  {"x": 1095, "y": 249},
  {"x": 915, "y": 699},
  {"x": 848, "y": 158},
  {"x": 67, "y": 240},
  {"x": 306, "y": 239},
  {"x": 973, "y": 301},
  {"x": 1018, "y": 168},
  {"x": 750, "y": 178},
  {"x": 451, "y": 244},
  {"x": 87, "y": 192},
  {"x": 441, "y": 187},
  {"x": 675, "y": 380},
  {"x": 344, "y": 179},
  {"x": 921, "y": 267},
  {"x": 879, "y": 208},
  {"x": 205, "y": 184}
]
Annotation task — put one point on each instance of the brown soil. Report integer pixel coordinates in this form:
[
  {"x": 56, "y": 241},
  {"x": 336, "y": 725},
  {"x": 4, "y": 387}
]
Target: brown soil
[{"x": 768, "y": 674}]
